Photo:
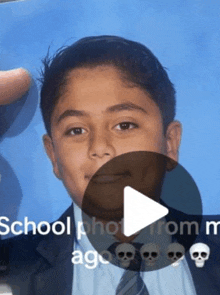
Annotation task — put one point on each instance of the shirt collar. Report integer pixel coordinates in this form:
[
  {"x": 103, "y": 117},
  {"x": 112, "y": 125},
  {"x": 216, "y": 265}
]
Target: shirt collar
[{"x": 81, "y": 240}]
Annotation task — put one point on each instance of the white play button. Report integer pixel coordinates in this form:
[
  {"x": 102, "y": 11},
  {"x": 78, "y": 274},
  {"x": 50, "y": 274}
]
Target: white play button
[{"x": 140, "y": 211}]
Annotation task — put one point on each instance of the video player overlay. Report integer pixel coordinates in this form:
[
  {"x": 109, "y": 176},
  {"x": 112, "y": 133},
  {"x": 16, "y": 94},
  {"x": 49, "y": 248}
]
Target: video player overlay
[{"x": 159, "y": 243}]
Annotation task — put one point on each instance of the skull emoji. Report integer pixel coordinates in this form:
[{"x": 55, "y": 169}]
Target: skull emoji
[
  {"x": 150, "y": 253},
  {"x": 125, "y": 253},
  {"x": 199, "y": 253},
  {"x": 175, "y": 253}
]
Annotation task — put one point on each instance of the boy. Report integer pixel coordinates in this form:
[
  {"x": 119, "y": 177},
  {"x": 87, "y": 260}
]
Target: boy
[
  {"x": 97, "y": 104},
  {"x": 101, "y": 97}
]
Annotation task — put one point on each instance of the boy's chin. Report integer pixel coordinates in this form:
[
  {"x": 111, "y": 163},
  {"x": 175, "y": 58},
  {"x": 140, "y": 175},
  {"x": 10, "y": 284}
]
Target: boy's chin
[{"x": 100, "y": 212}]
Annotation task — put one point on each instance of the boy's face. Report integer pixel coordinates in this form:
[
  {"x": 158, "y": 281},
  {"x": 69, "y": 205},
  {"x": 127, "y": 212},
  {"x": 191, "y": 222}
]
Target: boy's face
[{"x": 99, "y": 117}]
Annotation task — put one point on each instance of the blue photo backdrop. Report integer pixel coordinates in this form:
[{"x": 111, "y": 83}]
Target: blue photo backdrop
[{"x": 184, "y": 35}]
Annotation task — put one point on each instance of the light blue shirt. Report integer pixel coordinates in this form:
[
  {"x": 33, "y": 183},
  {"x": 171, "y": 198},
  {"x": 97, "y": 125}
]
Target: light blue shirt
[{"x": 104, "y": 278}]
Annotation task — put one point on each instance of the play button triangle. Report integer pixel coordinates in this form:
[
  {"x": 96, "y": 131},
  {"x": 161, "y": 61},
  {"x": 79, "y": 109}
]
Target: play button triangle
[{"x": 140, "y": 211}]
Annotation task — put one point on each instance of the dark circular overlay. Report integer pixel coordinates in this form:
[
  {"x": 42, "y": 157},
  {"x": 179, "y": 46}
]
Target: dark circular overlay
[{"x": 158, "y": 245}]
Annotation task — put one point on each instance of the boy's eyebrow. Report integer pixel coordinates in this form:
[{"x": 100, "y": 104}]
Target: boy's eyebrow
[
  {"x": 71, "y": 113},
  {"x": 128, "y": 106}
]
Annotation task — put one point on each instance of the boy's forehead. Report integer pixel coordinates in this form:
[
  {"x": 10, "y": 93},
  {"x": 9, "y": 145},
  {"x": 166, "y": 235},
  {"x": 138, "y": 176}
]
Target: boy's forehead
[
  {"x": 89, "y": 80},
  {"x": 97, "y": 90},
  {"x": 93, "y": 71}
]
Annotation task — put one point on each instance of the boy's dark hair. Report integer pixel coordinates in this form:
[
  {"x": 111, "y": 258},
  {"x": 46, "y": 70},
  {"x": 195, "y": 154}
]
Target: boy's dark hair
[{"x": 135, "y": 62}]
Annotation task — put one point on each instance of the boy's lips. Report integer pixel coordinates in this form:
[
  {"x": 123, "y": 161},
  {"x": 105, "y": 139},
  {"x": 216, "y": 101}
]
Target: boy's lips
[{"x": 109, "y": 178}]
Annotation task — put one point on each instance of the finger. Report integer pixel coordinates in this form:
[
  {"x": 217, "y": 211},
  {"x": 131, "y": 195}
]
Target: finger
[{"x": 13, "y": 85}]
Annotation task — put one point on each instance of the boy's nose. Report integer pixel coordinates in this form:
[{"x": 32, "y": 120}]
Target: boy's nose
[{"x": 101, "y": 147}]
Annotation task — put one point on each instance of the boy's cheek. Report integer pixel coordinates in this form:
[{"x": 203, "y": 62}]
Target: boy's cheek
[
  {"x": 73, "y": 177},
  {"x": 75, "y": 185},
  {"x": 153, "y": 143}
]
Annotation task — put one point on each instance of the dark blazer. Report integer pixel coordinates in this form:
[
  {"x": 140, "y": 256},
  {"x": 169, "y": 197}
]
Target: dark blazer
[{"x": 41, "y": 265}]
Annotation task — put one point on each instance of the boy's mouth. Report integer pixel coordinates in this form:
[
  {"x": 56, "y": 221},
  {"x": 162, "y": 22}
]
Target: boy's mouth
[{"x": 110, "y": 178}]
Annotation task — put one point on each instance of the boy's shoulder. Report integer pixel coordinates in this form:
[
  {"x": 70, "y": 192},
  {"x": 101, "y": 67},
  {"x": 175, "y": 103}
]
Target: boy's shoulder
[
  {"x": 26, "y": 250},
  {"x": 29, "y": 262}
]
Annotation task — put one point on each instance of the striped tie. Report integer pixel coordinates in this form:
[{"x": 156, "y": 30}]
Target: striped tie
[{"x": 131, "y": 283}]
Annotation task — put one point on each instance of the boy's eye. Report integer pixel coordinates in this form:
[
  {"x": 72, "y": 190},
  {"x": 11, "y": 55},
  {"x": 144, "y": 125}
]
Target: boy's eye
[
  {"x": 76, "y": 131},
  {"x": 126, "y": 126}
]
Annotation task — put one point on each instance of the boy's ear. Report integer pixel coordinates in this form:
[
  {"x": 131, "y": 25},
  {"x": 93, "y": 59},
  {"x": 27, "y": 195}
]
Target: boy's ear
[
  {"x": 48, "y": 144},
  {"x": 173, "y": 138}
]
